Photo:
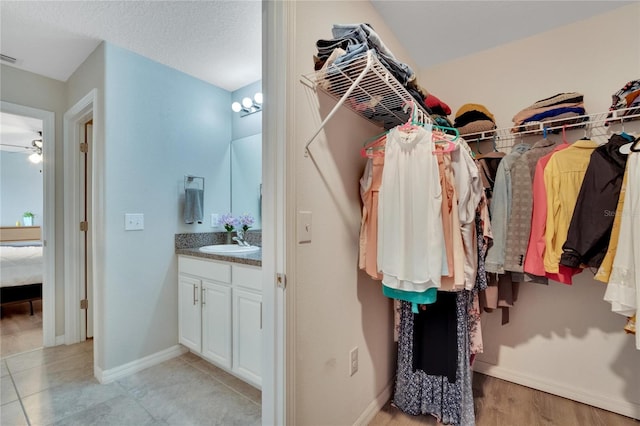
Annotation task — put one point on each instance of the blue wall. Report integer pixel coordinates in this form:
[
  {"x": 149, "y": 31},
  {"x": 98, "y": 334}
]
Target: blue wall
[
  {"x": 20, "y": 188},
  {"x": 160, "y": 124}
]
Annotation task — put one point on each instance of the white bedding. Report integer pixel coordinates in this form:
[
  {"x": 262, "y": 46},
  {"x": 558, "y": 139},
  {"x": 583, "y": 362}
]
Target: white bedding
[{"x": 20, "y": 265}]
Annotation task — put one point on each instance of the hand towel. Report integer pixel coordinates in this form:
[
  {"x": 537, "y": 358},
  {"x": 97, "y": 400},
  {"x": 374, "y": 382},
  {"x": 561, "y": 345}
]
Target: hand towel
[{"x": 193, "y": 205}]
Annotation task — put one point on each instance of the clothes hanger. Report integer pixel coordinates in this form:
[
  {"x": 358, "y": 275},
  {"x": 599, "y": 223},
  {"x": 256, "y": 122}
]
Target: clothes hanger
[
  {"x": 375, "y": 148},
  {"x": 441, "y": 137},
  {"x": 635, "y": 146},
  {"x": 478, "y": 146},
  {"x": 625, "y": 134},
  {"x": 544, "y": 132},
  {"x": 493, "y": 142},
  {"x": 564, "y": 134}
]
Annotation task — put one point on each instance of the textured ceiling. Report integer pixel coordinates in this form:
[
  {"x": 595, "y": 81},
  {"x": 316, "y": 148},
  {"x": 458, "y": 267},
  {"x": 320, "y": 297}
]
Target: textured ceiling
[
  {"x": 434, "y": 32},
  {"x": 216, "y": 41}
]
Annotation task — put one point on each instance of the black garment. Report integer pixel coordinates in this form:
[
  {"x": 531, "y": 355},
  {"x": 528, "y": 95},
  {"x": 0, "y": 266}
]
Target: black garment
[
  {"x": 469, "y": 117},
  {"x": 435, "y": 347},
  {"x": 593, "y": 215},
  {"x": 488, "y": 166}
]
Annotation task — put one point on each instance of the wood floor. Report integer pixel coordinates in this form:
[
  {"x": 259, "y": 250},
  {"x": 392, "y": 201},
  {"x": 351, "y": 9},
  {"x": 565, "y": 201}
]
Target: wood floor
[
  {"x": 19, "y": 331},
  {"x": 501, "y": 403}
]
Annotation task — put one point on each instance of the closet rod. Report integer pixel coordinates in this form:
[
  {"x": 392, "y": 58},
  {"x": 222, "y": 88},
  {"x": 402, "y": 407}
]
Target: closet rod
[{"x": 591, "y": 119}]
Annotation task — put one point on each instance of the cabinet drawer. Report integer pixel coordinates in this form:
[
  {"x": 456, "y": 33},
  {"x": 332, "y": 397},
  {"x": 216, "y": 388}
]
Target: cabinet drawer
[
  {"x": 247, "y": 276},
  {"x": 208, "y": 269}
]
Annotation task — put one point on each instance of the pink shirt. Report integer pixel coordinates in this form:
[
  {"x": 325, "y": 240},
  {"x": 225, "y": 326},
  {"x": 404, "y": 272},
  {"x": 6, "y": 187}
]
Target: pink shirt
[{"x": 533, "y": 263}]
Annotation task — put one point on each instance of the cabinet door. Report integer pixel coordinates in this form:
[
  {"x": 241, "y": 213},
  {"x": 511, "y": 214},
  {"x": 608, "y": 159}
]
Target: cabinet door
[
  {"x": 247, "y": 335},
  {"x": 216, "y": 323},
  {"x": 189, "y": 312}
]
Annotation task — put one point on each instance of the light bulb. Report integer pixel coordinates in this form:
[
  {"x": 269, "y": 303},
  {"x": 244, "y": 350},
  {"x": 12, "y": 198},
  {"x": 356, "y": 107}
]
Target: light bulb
[
  {"x": 258, "y": 98},
  {"x": 236, "y": 107},
  {"x": 247, "y": 102},
  {"x": 35, "y": 158}
]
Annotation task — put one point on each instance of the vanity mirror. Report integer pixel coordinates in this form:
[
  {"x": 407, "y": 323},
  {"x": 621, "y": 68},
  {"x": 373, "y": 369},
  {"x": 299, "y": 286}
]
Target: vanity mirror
[{"x": 246, "y": 177}]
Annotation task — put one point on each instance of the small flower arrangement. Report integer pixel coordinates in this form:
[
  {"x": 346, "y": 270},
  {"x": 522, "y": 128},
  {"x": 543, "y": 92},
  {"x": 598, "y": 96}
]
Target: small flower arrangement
[
  {"x": 245, "y": 220},
  {"x": 228, "y": 222}
]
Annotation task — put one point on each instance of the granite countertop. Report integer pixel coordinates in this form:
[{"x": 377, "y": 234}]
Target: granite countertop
[
  {"x": 188, "y": 244},
  {"x": 254, "y": 259}
]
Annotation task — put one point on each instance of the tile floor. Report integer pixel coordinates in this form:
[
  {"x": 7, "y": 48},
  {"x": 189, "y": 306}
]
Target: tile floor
[{"x": 56, "y": 386}]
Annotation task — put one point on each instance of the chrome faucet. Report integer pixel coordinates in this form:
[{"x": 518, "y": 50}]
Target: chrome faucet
[{"x": 240, "y": 239}]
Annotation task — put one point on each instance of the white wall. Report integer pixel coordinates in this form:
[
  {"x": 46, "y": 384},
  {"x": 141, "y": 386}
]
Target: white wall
[
  {"x": 33, "y": 90},
  {"x": 560, "y": 339},
  {"x": 336, "y": 308},
  {"x": 89, "y": 76},
  {"x": 20, "y": 188}
]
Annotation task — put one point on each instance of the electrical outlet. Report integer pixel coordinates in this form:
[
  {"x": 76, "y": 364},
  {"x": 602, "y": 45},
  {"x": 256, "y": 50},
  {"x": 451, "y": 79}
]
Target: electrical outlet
[
  {"x": 214, "y": 219},
  {"x": 353, "y": 361}
]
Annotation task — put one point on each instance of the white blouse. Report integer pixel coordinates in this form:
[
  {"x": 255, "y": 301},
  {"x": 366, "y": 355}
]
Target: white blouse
[
  {"x": 623, "y": 290},
  {"x": 410, "y": 235}
]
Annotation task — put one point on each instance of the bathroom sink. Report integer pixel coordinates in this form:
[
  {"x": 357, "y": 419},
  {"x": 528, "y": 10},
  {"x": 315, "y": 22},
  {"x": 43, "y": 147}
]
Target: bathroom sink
[{"x": 229, "y": 249}]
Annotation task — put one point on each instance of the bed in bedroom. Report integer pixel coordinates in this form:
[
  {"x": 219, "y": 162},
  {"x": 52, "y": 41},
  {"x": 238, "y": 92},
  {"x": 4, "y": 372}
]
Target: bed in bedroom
[{"x": 21, "y": 265}]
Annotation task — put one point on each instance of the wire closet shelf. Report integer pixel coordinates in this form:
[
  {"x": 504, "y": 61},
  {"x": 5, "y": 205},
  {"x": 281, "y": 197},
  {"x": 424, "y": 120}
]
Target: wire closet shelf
[
  {"x": 366, "y": 87},
  {"x": 597, "y": 124}
]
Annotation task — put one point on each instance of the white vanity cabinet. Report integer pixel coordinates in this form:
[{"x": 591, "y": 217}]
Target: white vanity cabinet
[{"x": 220, "y": 314}]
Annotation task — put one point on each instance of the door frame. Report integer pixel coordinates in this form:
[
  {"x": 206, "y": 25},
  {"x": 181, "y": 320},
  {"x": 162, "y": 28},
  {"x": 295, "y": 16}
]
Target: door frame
[
  {"x": 48, "y": 215},
  {"x": 278, "y": 24},
  {"x": 74, "y": 120}
]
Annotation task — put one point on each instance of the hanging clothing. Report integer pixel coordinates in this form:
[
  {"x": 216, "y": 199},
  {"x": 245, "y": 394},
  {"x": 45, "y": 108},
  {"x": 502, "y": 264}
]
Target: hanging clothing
[
  {"x": 623, "y": 290},
  {"x": 483, "y": 233},
  {"x": 410, "y": 232},
  {"x": 592, "y": 220},
  {"x": 488, "y": 166},
  {"x": 435, "y": 348},
  {"x": 369, "y": 193},
  {"x": 533, "y": 262},
  {"x": 562, "y": 179},
  {"x": 604, "y": 271},
  {"x": 501, "y": 210},
  {"x": 449, "y": 200},
  {"x": 417, "y": 392},
  {"x": 519, "y": 226},
  {"x": 470, "y": 189}
]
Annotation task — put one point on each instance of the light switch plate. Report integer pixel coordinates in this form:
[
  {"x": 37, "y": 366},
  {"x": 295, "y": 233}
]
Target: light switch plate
[
  {"x": 133, "y": 221},
  {"x": 304, "y": 227}
]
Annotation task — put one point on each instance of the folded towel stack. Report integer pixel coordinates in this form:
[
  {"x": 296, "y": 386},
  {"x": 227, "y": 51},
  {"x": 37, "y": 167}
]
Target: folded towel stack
[{"x": 193, "y": 205}]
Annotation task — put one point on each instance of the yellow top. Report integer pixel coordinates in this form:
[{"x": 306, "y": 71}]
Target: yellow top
[
  {"x": 563, "y": 177},
  {"x": 604, "y": 271}
]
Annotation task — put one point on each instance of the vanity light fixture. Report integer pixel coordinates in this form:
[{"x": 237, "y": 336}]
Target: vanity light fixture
[{"x": 248, "y": 105}]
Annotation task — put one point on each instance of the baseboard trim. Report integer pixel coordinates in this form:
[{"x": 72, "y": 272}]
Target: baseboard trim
[
  {"x": 59, "y": 340},
  {"x": 113, "y": 374},
  {"x": 375, "y": 406},
  {"x": 605, "y": 402}
]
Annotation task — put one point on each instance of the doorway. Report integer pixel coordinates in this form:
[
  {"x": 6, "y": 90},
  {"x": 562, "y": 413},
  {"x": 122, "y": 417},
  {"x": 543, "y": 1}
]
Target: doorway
[
  {"x": 79, "y": 228},
  {"x": 43, "y": 146}
]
